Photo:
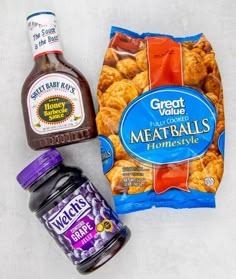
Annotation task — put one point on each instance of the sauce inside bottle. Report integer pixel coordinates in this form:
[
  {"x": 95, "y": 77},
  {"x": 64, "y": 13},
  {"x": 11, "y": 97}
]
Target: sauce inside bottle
[{"x": 56, "y": 98}]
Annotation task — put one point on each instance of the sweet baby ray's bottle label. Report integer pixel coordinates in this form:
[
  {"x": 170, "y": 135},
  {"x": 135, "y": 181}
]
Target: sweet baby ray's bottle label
[
  {"x": 55, "y": 103},
  {"x": 82, "y": 223}
]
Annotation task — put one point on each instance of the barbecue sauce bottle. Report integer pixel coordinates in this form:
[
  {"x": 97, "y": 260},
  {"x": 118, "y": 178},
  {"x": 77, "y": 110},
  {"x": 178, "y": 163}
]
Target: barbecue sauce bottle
[{"x": 56, "y": 98}]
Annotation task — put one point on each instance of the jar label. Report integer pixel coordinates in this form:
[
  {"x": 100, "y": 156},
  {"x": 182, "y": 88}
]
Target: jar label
[
  {"x": 82, "y": 223},
  {"x": 43, "y": 34},
  {"x": 55, "y": 103}
]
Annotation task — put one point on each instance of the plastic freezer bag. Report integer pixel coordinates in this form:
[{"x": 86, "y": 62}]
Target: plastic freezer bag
[{"x": 160, "y": 121}]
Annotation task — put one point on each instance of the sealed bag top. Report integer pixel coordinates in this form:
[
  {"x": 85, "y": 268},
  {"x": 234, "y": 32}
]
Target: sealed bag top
[{"x": 161, "y": 121}]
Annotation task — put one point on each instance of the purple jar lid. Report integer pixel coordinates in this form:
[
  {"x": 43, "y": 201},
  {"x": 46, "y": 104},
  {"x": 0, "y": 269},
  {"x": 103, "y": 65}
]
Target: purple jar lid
[{"x": 38, "y": 167}]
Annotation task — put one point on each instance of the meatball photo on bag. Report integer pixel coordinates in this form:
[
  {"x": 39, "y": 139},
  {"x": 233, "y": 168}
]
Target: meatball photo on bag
[{"x": 161, "y": 121}]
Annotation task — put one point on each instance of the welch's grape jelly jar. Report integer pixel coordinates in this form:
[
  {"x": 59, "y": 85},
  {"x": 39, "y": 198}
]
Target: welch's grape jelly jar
[{"x": 73, "y": 211}]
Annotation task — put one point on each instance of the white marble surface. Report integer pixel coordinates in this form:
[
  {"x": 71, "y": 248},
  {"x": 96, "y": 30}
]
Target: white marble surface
[{"x": 165, "y": 243}]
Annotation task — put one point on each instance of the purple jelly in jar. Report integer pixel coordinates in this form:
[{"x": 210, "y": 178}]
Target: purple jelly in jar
[{"x": 73, "y": 211}]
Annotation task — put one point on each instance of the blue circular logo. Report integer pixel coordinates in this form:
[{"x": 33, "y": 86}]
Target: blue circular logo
[
  {"x": 107, "y": 153},
  {"x": 167, "y": 125},
  {"x": 221, "y": 142}
]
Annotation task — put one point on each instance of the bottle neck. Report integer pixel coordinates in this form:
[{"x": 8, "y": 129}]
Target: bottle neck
[
  {"x": 49, "y": 59},
  {"x": 43, "y": 33}
]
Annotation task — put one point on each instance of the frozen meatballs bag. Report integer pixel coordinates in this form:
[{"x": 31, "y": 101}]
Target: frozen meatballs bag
[{"x": 161, "y": 121}]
